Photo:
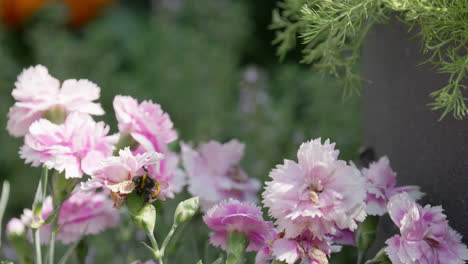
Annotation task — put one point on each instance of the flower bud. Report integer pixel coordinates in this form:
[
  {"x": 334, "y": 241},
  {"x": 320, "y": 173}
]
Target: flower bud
[
  {"x": 144, "y": 215},
  {"x": 186, "y": 210},
  {"x": 15, "y": 227}
]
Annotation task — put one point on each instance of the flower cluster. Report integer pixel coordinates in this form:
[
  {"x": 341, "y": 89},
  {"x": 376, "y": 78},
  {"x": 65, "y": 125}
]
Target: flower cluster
[
  {"x": 60, "y": 134},
  {"x": 316, "y": 203}
]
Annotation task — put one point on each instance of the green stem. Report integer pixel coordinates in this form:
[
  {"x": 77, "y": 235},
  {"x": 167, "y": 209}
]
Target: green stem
[
  {"x": 53, "y": 233},
  {"x": 361, "y": 255},
  {"x": 167, "y": 239},
  {"x": 37, "y": 243},
  {"x": 155, "y": 247},
  {"x": 154, "y": 243},
  {"x": 3, "y": 204}
]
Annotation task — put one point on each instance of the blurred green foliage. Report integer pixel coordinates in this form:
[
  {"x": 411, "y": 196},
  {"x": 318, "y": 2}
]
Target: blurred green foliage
[{"x": 201, "y": 60}]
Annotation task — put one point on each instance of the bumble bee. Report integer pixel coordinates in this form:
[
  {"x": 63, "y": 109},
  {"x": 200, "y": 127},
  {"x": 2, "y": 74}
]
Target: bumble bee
[{"x": 147, "y": 185}]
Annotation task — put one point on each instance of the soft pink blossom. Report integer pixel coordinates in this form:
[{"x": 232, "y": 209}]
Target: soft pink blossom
[
  {"x": 425, "y": 236},
  {"x": 235, "y": 216},
  {"x": 15, "y": 227},
  {"x": 319, "y": 193},
  {"x": 305, "y": 247},
  {"x": 36, "y": 91},
  {"x": 146, "y": 122},
  {"x": 381, "y": 181},
  {"x": 116, "y": 173},
  {"x": 214, "y": 174},
  {"x": 83, "y": 213},
  {"x": 153, "y": 130},
  {"x": 76, "y": 146}
]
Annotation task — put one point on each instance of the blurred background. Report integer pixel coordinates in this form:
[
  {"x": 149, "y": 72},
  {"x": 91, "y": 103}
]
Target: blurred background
[{"x": 209, "y": 63}]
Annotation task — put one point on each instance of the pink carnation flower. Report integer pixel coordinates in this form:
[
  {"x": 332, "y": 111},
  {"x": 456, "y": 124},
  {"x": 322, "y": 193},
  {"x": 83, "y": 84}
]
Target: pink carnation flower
[
  {"x": 116, "y": 173},
  {"x": 153, "y": 130},
  {"x": 214, "y": 174},
  {"x": 76, "y": 146},
  {"x": 36, "y": 91},
  {"x": 145, "y": 122},
  {"x": 425, "y": 238},
  {"x": 235, "y": 216},
  {"x": 381, "y": 181},
  {"x": 83, "y": 213},
  {"x": 306, "y": 247},
  {"x": 319, "y": 193}
]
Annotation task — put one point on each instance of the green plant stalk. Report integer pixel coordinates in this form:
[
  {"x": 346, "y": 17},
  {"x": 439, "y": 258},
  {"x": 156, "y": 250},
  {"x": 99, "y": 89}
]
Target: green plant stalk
[
  {"x": 155, "y": 247},
  {"x": 169, "y": 235},
  {"x": 53, "y": 233},
  {"x": 361, "y": 255},
  {"x": 3, "y": 204},
  {"x": 37, "y": 244},
  {"x": 37, "y": 211}
]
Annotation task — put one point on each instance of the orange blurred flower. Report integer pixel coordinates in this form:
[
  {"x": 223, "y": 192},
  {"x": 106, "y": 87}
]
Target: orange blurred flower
[
  {"x": 82, "y": 11},
  {"x": 14, "y": 13}
]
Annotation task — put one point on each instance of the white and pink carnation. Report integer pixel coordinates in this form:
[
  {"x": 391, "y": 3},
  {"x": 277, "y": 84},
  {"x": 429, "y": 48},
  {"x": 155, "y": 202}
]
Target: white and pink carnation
[
  {"x": 116, "y": 173},
  {"x": 76, "y": 146},
  {"x": 425, "y": 236},
  {"x": 242, "y": 217},
  {"x": 146, "y": 122},
  {"x": 36, "y": 92},
  {"x": 318, "y": 194},
  {"x": 83, "y": 213},
  {"x": 381, "y": 181},
  {"x": 153, "y": 130},
  {"x": 214, "y": 174}
]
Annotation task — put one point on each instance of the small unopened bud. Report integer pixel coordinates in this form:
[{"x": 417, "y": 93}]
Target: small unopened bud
[
  {"x": 143, "y": 214},
  {"x": 186, "y": 210},
  {"x": 15, "y": 227}
]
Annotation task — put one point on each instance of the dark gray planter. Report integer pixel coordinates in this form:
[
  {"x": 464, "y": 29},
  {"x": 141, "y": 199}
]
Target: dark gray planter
[{"x": 398, "y": 123}]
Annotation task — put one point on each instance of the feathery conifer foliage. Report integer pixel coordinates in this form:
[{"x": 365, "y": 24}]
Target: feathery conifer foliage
[{"x": 332, "y": 33}]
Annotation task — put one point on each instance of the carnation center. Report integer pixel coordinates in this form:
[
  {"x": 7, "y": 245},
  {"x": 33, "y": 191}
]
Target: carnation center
[
  {"x": 236, "y": 175},
  {"x": 432, "y": 242},
  {"x": 317, "y": 254},
  {"x": 314, "y": 192}
]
